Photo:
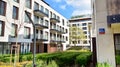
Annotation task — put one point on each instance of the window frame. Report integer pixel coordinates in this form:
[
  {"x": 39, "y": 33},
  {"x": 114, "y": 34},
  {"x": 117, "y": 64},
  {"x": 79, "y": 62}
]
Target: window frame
[
  {"x": 16, "y": 28},
  {"x": 27, "y": 36},
  {"x": 4, "y": 11},
  {"x": 3, "y": 28},
  {"x": 30, "y": 6},
  {"x": 26, "y": 17},
  {"x": 17, "y": 13}
]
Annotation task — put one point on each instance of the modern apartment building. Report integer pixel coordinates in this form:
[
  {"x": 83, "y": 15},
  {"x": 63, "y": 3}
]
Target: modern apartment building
[
  {"x": 83, "y": 24},
  {"x": 51, "y": 27},
  {"x": 106, "y": 29}
]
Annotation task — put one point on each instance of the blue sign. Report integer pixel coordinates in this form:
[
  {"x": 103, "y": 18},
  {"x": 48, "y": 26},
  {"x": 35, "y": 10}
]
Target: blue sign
[{"x": 101, "y": 31}]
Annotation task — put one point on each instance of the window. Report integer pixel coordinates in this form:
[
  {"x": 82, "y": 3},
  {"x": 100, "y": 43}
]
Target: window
[
  {"x": 41, "y": 21},
  {"x": 14, "y": 30},
  {"x": 84, "y": 28},
  {"x": 27, "y": 47},
  {"x": 2, "y": 24},
  {"x": 42, "y": 8},
  {"x": 66, "y": 38},
  {"x": 78, "y": 24},
  {"x": 47, "y": 11},
  {"x": 15, "y": 12},
  {"x": 73, "y": 24},
  {"x": 54, "y": 16},
  {"x": 36, "y": 6},
  {"x": 85, "y": 42},
  {"x": 28, "y": 3},
  {"x": 66, "y": 31},
  {"x": 26, "y": 17},
  {"x": 26, "y": 32},
  {"x": 46, "y": 35},
  {"x": 84, "y": 24},
  {"x": 63, "y": 22},
  {"x": 2, "y": 8},
  {"x": 36, "y": 19},
  {"x": 16, "y": 1},
  {"x": 46, "y": 23},
  {"x": 85, "y": 32},
  {"x": 58, "y": 18},
  {"x": 50, "y": 14}
]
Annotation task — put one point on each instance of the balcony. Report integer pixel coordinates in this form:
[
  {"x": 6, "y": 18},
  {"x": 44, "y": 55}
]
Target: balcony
[
  {"x": 60, "y": 41},
  {"x": 53, "y": 39},
  {"x": 54, "y": 20},
  {"x": 41, "y": 25},
  {"x": 40, "y": 13},
  {"x": 111, "y": 19},
  {"x": 41, "y": 37},
  {"x": 56, "y": 30}
]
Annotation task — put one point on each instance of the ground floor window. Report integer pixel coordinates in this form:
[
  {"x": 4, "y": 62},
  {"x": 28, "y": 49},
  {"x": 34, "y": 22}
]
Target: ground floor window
[{"x": 4, "y": 48}]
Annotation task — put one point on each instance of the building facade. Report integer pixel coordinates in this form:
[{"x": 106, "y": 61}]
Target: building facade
[
  {"x": 106, "y": 29},
  {"x": 83, "y": 24},
  {"x": 51, "y": 27}
]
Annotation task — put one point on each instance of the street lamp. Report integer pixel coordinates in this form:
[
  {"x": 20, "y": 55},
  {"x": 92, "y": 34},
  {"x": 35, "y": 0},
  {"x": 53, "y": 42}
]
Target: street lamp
[{"x": 34, "y": 38}]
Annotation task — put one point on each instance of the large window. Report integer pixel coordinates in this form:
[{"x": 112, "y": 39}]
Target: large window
[
  {"x": 46, "y": 23},
  {"x": 2, "y": 8},
  {"x": 14, "y": 30},
  {"x": 47, "y": 12},
  {"x": 15, "y": 12},
  {"x": 36, "y": 6},
  {"x": 26, "y": 32},
  {"x": 36, "y": 19},
  {"x": 2, "y": 28},
  {"x": 28, "y": 3},
  {"x": 42, "y": 8},
  {"x": 84, "y": 24},
  {"x": 26, "y": 17}
]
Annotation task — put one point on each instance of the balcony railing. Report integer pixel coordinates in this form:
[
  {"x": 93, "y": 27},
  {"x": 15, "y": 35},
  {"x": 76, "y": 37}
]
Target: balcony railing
[
  {"x": 54, "y": 29},
  {"x": 113, "y": 19},
  {"x": 41, "y": 37},
  {"x": 41, "y": 25},
  {"x": 40, "y": 13},
  {"x": 54, "y": 20}
]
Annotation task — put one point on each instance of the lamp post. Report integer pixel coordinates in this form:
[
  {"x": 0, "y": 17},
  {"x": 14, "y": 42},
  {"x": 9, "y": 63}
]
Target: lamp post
[{"x": 34, "y": 38}]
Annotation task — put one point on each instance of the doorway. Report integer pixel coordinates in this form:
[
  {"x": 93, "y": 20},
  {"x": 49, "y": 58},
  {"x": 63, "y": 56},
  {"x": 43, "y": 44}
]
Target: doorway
[{"x": 45, "y": 48}]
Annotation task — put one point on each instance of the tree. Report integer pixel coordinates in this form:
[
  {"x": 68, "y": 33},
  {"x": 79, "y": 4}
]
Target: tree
[
  {"x": 75, "y": 34},
  {"x": 15, "y": 31}
]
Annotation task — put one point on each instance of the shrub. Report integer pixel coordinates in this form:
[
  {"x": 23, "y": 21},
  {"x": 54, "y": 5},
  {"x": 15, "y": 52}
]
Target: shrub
[
  {"x": 103, "y": 65},
  {"x": 83, "y": 59},
  {"x": 41, "y": 63},
  {"x": 117, "y": 59}
]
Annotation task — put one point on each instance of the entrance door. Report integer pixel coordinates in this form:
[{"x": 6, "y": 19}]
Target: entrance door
[
  {"x": 94, "y": 57},
  {"x": 45, "y": 47},
  {"x": 117, "y": 43}
]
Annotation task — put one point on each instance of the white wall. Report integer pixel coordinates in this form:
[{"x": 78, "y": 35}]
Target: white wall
[{"x": 105, "y": 42}]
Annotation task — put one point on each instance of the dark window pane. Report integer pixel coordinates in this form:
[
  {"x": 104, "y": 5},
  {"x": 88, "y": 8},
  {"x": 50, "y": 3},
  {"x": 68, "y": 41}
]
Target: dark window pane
[
  {"x": 15, "y": 12},
  {"x": 2, "y": 8}
]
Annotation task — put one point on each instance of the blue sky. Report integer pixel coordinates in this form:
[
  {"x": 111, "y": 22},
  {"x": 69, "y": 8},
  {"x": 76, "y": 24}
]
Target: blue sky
[{"x": 70, "y": 8}]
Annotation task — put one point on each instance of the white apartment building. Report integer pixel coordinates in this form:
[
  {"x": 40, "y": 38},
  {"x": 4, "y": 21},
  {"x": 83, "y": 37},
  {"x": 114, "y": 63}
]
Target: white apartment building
[
  {"x": 51, "y": 27},
  {"x": 82, "y": 23},
  {"x": 106, "y": 29}
]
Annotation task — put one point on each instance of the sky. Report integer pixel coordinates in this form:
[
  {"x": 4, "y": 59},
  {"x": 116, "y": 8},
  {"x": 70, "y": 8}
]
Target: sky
[{"x": 69, "y": 8}]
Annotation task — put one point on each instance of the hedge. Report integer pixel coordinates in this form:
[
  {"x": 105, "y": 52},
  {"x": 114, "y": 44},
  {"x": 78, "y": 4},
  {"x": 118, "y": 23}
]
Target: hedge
[
  {"x": 61, "y": 58},
  {"x": 84, "y": 58}
]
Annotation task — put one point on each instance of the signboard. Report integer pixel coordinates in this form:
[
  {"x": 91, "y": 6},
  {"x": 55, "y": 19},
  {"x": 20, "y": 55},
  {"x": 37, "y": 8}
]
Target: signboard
[{"x": 101, "y": 31}]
